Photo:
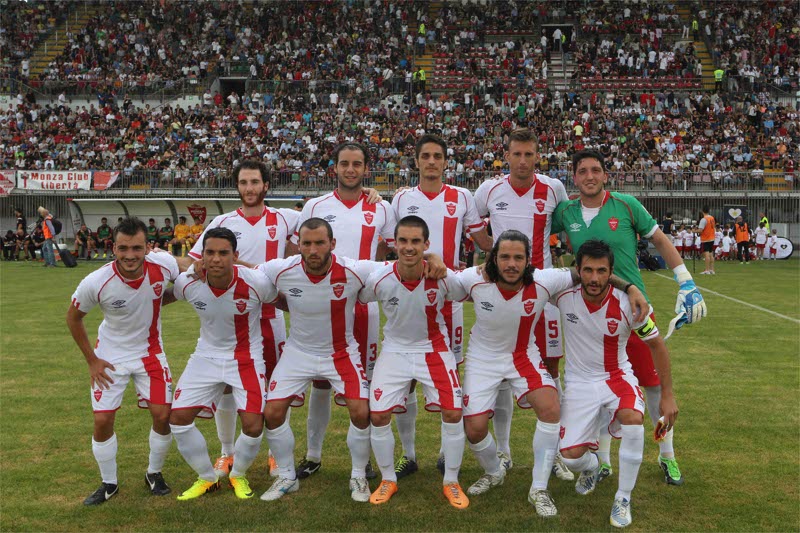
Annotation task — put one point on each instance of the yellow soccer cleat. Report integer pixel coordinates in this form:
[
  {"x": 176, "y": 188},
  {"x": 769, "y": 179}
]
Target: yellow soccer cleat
[
  {"x": 384, "y": 492},
  {"x": 200, "y": 487},
  {"x": 241, "y": 487},
  {"x": 455, "y": 496}
]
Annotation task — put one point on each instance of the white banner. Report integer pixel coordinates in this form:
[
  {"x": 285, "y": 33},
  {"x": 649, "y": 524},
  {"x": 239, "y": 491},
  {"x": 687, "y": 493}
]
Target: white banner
[
  {"x": 54, "y": 180},
  {"x": 6, "y": 182}
]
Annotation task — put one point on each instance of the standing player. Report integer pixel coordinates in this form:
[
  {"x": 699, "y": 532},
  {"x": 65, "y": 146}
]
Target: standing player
[
  {"x": 598, "y": 322},
  {"x": 358, "y": 224},
  {"x": 525, "y": 201},
  {"x": 706, "y": 231},
  {"x": 772, "y": 245},
  {"x": 509, "y": 297},
  {"x": 760, "y": 235},
  {"x": 448, "y": 212},
  {"x": 129, "y": 292},
  {"x": 415, "y": 348},
  {"x": 617, "y": 219},
  {"x": 228, "y": 353}
]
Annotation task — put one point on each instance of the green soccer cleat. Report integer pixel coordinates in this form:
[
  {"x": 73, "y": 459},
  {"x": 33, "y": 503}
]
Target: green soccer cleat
[
  {"x": 672, "y": 474},
  {"x": 605, "y": 471},
  {"x": 241, "y": 487},
  {"x": 200, "y": 487}
]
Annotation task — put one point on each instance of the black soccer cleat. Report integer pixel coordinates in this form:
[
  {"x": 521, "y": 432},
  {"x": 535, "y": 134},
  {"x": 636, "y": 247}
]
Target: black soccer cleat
[
  {"x": 156, "y": 484},
  {"x": 102, "y": 495},
  {"x": 405, "y": 467},
  {"x": 440, "y": 464},
  {"x": 307, "y": 468},
  {"x": 369, "y": 471}
]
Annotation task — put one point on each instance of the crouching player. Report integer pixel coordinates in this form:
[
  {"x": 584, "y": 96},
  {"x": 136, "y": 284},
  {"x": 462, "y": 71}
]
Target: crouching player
[
  {"x": 509, "y": 298},
  {"x": 415, "y": 347},
  {"x": 597, "y": 323}
]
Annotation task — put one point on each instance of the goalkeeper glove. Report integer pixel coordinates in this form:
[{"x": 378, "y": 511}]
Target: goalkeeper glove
[{"x": 689, "y": 301}]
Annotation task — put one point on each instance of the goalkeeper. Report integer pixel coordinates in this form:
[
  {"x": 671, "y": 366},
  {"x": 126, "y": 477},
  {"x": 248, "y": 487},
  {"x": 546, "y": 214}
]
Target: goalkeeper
[{"x": 618, "y": 219}]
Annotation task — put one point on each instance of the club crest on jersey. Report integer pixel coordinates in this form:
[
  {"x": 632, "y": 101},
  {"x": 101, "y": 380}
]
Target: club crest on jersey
[
  {"x": 612, "y": 325},
  {"x": 613, "y": 223},
  {"x": 431, "y": 295},
  {"x": 241, "y": 305},
  {"x": 272, "y": 230},
  {"x": 177, "y": 393},
  {"x": 157, "y": 289},
  {"x": 451, "y": 209},
  {"x": 378, "y": 393},
  {"x": 528, "y": 306},
  {"x": 272, "y": 385},
  {"x": 369, "y": 217},
  {"x": 540, "y": 205},
  {"x": 98, "y": 393},
  {"x": 338, "y": 290}
]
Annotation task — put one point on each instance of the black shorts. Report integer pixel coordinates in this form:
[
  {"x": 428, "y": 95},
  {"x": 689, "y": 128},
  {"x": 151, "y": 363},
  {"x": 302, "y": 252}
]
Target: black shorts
[{"x": 707, "y": 246}]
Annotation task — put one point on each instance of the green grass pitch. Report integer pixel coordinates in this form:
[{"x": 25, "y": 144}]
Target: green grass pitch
[{"x": 737, "y": 437}]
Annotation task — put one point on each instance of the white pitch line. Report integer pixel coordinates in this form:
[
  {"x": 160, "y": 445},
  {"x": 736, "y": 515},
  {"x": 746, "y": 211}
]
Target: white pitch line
[{"x": 796, "y": 321}]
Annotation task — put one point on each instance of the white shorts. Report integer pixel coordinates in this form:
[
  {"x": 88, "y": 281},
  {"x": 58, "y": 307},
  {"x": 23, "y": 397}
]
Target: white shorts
[
  {"x": 366, "y": 330},
  {"x": 482, "y": 381},
  {"x": 297, "y": 369},
  {"x": 151, "y": 378},
  {"x": 436, "y": 372},
  {"x": 203, "y": 382},
  {"x": 548, "y": 333},
  {"x": 583, "y": 403},
  {"x": 273, "y": 334},
  {"x": 453, "y": 313}
]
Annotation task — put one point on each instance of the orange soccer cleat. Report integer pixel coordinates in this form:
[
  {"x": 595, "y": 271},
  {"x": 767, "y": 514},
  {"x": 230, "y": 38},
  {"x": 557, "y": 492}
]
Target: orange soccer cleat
[
  {"x": 384, "y": 492},
  {"x": 455, "y": 496}
]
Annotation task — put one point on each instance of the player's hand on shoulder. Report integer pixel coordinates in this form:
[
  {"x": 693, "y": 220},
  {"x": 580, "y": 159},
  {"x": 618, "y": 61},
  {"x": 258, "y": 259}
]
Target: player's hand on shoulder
[
  {"x": 373, "y": 196},
  {"x": 97, "y": 371},
  {"x": 197, "y": 270},
  {"x": 434, "y": 267}
]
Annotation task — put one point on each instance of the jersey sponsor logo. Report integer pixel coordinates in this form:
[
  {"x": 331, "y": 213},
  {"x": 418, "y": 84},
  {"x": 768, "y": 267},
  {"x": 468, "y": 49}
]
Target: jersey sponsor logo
[
  {"x": 451, "y": 209},
  {"x": 412, "y": 209},
  {"x": 294, "y": 291},
  {"x": 552, "y": 343},
  {"x": 431, "y": 294},
  {"x": 272, "y": 230},
  {"x": 338, "y": 290},
  {"x": 612, "y": 325},
  {"x": 157, "y": 289},
  {"x": 241, "y": 305},
  {"x": 539, "y": 205},
  {"x": 528, "y": 305},
  {"x": 200, "y": 306},
  {"x": 98, "y": 393},
  {"x": 501, "y": 206},
  {"x": 329, "y": 219},
  {"x": 466, "y": 400},
  {"x": 572, "y": 317},
  {"x": 378, "y": 393},
  {"x": 574, "y": 227},
  {"x": 177, "y": 393},
  {"x": 486, "y": 306},
  {"x": 118, "y": 304},
  {"x": 272, "y": 385},
  {"x": 238, "y": 234},
  {"x": 369, "y": 217},
  {"x": 394, "y": 300},
  {"x": 613, "y": 223}
]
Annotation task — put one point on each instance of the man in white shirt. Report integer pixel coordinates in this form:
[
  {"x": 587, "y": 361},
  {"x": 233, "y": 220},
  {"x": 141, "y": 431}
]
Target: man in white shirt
[{"x": 130, "y": 292}]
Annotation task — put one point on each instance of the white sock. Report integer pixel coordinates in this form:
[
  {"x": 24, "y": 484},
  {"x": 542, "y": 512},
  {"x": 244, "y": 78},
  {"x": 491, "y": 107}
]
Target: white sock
[
  {"x": 665, "y": 446},
  {"x": 545, "y": 445},
  {"x": 281, "y": 442},
  {"x": 453, "y": 438},
  {"x": 407, "y": 427},
  {"x": 503, "y": 411},
  {"x": 382, "y": 440},
  {"x": 585, "y": 463},
  {"x": 653, "y": 400},
  {"x": 159, "y": 447},
  {"x": 194, "y": 450},
  {"x": 630, "y": 458},
  {"x": 105, "y": 453},
  {"x": 358, "y": 443},
  {"x": 486, "y": 453},
  {"x": 604, "y": 440},
  {"x": 225, "y": 417},
  {"x": 319, "y": 415},
  {"x": 245, "y": 453}
]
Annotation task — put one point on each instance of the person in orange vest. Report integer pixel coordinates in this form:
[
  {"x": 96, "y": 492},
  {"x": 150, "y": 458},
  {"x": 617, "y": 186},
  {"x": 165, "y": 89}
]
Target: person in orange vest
[
  {"x": 707, "y": 230},
  {"x": 742, "y": 240},
  {"x": 48, "y": 248}
]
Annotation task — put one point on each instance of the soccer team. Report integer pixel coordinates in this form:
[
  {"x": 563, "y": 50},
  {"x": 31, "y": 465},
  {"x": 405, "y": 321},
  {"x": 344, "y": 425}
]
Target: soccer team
[{"x": 325, "y": 266}]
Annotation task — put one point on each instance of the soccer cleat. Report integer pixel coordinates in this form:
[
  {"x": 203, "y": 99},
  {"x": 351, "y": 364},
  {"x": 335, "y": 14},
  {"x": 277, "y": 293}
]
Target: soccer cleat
[
  {"x": 200, "y": 487},
  {"x": 223, "y": 465},
  {"x": 273, "y": 466},
  {"x": 605, "y": 471},
  {"x": 505, "y": 461},
  {"x": 156, "y": 484},
  {"x": 672, "y": 474},
  {"x": 587, "y": 481},
  {"x": 621, "y": 513},
  {"x": 384, "y": 492},
  {"x": 405, "y": 467},
  {"x": 440, "y": 464},
  {"x": 359, "y": 489},
  {"x": 487, "y": 482},
  {"x": 307, "y": 468},
  {"x": 543, "y": 502},
  {"x": 560, "y": 470},
  {"x": 102, "y": 495},
  {"x": 370, "y": 472},
  {"x": 281, "y": 487},
  {"x": 455, "y": 496},
  {"x": 241, "y": 487}
]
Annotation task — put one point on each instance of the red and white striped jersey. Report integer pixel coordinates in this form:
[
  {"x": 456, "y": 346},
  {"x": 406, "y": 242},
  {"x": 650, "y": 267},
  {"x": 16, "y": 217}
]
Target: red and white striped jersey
[
  {"x": 322, "y": 307},
  {"x": 504, "y": 321},
  {"x": 131, "y": 326},
  {"x": 258, "y": 239},
  {"x": 446, "y": 213},
  {"x": 229, "y": 318},
  {"x": 413, "y": 309},
  {"x": 356, "y": 225},
  {"x": 528, "y": 211},
  {"x": 596, "y": 336}
]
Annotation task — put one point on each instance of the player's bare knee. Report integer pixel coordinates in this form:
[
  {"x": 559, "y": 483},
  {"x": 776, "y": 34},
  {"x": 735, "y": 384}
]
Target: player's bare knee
[
  {"x": 574, "y": 453},
  {"x": 380, "y": 419},
  {"x": 252, "y": 424},
  {"x": 630, "y": 417},
  {"x": 359, "y": 413},
  {"x": 275, "y": 414},
  {"x": 548, "y": 411},
  {"x": 181, "y": 417},
  {"x": 103, "y": 426},
  {"x": 451, "y": 416},
  {"x": 476, "y": 430}
]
